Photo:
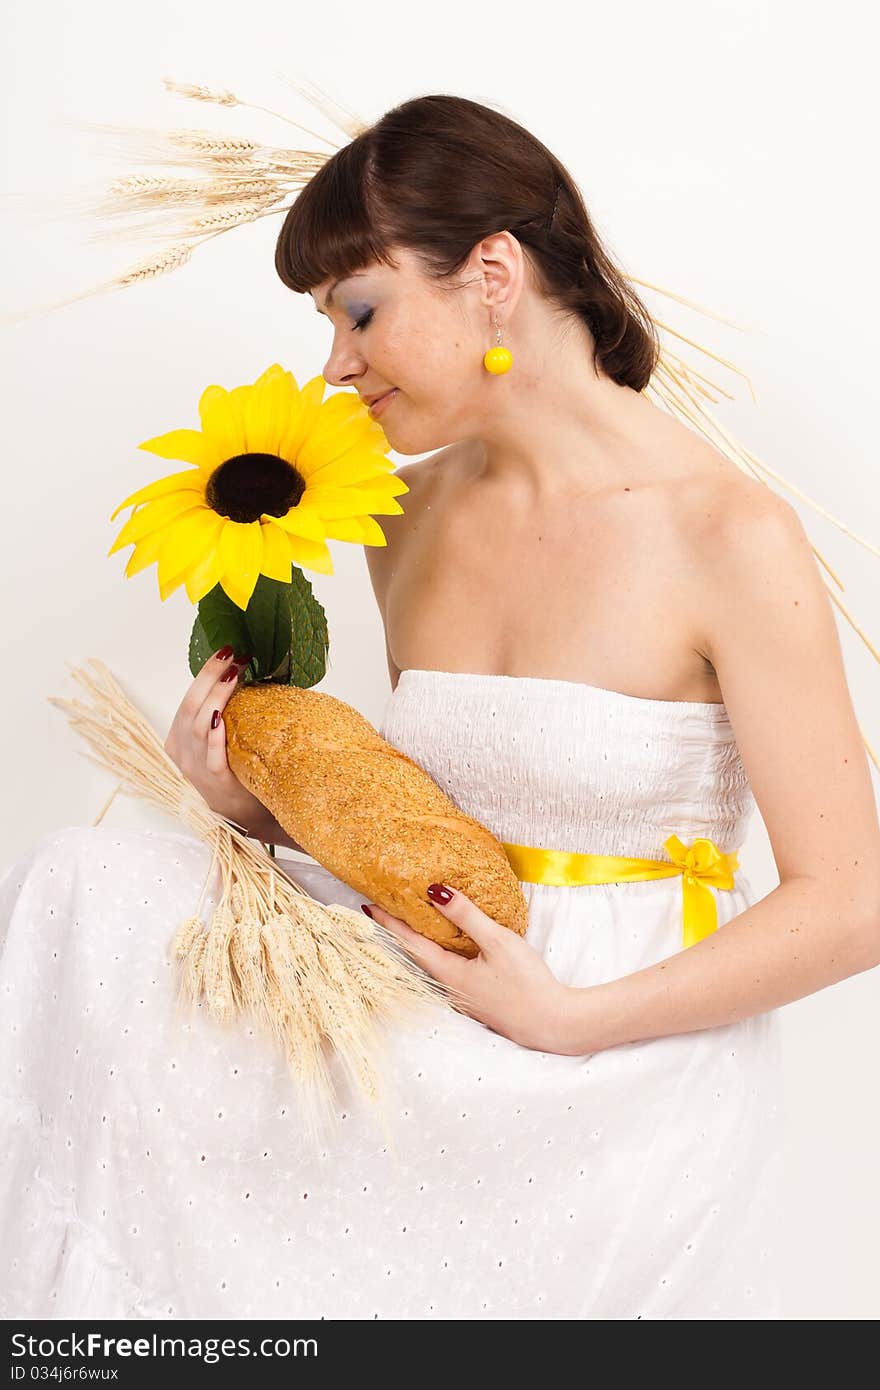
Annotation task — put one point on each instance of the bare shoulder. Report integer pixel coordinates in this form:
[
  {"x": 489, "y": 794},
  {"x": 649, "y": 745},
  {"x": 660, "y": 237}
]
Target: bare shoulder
[
  {"x": 733, "y": 517},
  {"x": 751, "y": 561},
  {"x": 735, "y": 542}
]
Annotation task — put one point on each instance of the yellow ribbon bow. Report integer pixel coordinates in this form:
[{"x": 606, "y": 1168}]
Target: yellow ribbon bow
[{"x": 702, "y": 866}]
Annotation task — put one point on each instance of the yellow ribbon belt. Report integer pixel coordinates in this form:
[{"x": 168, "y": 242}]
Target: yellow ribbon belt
[{"x": 700, "y": 864}]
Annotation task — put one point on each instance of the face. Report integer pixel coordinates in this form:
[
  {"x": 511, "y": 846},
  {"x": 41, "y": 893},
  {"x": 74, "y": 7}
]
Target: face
[{"x": 395, "y": 328}]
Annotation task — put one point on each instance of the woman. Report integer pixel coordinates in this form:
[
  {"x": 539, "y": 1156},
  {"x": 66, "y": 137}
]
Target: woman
[{"x": 600, "y": 634}]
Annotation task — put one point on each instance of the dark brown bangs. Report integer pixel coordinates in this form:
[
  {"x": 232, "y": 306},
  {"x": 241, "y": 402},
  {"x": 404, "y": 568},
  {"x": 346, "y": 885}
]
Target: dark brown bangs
[
  {"x": 335, "y": 226},
  {"x": 437, "y": 174}
]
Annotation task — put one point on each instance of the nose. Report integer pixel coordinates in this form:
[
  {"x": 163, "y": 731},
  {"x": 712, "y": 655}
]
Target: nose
[{"x": 343, "y": 365}]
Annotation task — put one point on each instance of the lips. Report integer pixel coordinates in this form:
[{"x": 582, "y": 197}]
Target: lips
[{"x": 379, "y": 403}]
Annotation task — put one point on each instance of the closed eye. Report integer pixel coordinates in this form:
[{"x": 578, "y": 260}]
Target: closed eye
[{"x": 362, "y": 323}]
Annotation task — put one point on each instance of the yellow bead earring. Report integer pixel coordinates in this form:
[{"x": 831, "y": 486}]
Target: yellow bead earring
[{"x": 498, "y": 359}]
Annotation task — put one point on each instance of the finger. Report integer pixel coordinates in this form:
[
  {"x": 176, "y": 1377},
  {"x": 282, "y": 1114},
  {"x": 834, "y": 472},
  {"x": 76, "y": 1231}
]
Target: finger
[
  {"x": 436, "y": 959},
  {"x": 472, "y": 920},
  {"x": 211, "y": 721},
  {"x": 216, "y": 757},
  {"x": 211, "y": 671},
  {"x": 217, "y": 695},
  {"x": 202, "y": 685}
]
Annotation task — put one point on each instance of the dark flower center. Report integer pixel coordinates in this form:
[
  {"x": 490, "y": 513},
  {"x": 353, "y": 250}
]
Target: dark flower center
[{"x": 245, "y": 487}]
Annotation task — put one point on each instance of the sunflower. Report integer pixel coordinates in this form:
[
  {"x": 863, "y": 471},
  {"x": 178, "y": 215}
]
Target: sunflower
[{"x": 274, "y": 472}]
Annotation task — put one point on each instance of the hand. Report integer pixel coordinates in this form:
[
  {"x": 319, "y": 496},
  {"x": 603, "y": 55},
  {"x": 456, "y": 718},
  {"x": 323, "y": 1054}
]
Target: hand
[
  {"x": 200, "y": 751},
  {"x": 507, "y": 985}
]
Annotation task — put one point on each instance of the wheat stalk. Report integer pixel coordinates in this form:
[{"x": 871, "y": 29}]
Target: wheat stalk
[
  {"x": 304, "y": 972},
  {"x": 152, "y": 266},
  {"x": 690, "y": 303},
  {"x": 138, "y": 192},
  {"x": 223, "y": 97},
  {"x": 230, "y": 216}
]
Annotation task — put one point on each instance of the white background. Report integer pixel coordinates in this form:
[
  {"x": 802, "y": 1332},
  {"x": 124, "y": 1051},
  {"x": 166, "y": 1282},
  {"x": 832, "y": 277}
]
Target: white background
[{"x": 726, "y": 152}]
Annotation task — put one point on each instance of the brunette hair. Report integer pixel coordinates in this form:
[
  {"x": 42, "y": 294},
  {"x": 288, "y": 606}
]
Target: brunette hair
[{"x": 438, "y": 173}]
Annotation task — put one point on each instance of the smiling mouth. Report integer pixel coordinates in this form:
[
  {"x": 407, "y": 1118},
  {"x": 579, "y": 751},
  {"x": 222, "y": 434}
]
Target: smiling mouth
[{"x": 380, "y": 401}]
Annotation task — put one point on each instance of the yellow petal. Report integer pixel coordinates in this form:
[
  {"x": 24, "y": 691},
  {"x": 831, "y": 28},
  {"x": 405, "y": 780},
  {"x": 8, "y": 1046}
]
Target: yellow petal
[
  {"x": 334, "y": 502},
  {"x": 186, "y": 541},
  {"x": 328, "y": 439},
  {"x": 190, "y": 446},
  {"x": 154, "y": 514},
  {"x": 383, "y": 484},
  {"x": 300, "y": 523},
  {"x": 220, "y": 421},
  {"x": 268, "y": 414},
  {"x": 204, "y": 574},
  {"x": 276, "y": 372},
  {"x": 276, "y": 553},
  {"x": 238, "y": 399},
  {"x": 362, "y": 529},
  {"x": 241, "y": 554},
  {"x": 337, "y": 412},
  {"x": 145, "y": 552},
  {"x": 173, "y": 483},
  {"x": 355, "y": 466},
  {"x": 310, "y": 555},
  {"x": 303, "y": 418},
  {"x": 165, "y": 590}
]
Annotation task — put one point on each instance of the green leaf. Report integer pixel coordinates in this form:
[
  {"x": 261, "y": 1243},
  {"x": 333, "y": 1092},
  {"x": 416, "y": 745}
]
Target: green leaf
[
  {"x": 220, "y": 622},
  {"x": 268, "y": 624},
  {"x": 284, "y": 627},
  {"x": 200, "y": 648},
  {"x": 309, "y": 642}
]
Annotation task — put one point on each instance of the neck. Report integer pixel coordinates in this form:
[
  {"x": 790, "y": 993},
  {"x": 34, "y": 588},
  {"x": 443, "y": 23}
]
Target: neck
[{"x": 555, "y": 428}]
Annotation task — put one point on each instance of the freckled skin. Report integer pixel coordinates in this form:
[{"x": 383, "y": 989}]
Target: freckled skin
[
  {"x": 428, "y": 340},
  {"x": 547, "y": 444}
]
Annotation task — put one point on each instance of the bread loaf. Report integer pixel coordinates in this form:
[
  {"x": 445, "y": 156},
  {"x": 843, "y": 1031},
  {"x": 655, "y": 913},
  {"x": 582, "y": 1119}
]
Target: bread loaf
[{"x": 364, "y": 810}]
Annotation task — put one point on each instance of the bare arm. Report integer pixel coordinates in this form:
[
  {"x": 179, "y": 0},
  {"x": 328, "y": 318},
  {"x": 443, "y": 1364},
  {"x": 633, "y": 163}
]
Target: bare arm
[{"x": 773, "y": 641}]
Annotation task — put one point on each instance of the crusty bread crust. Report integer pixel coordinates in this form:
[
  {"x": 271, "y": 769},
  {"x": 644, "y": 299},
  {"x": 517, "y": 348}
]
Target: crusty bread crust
[{"x": 365, "y": 811}]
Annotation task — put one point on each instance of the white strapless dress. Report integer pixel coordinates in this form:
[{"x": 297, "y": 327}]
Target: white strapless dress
[{"x": 148, "y": 1171}]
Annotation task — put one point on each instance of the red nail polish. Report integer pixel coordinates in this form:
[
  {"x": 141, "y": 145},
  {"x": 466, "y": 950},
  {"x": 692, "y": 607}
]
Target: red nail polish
[
  {"x": 439, "y": 893},
  {"x": 231, "y": 674},
  {"x": 365, "y": 909},
  {"x": 215, "y": 719},
  {"x": 224, "y": 654},
  {"x": 244, "y": 660}
]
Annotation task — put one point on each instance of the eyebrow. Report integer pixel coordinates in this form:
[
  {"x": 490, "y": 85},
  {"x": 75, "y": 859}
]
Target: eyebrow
[{"x": 329, "y": 300}]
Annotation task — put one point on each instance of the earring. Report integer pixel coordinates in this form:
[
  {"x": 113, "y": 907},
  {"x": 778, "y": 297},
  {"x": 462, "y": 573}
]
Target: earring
[{"x": 498, "y": 359}]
